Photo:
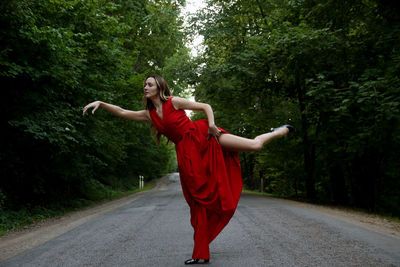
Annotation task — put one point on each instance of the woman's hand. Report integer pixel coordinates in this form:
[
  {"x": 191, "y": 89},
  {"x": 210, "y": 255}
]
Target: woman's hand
[
  {"x": 214, "y": 131},
  {"x": 95, "y": 105}
]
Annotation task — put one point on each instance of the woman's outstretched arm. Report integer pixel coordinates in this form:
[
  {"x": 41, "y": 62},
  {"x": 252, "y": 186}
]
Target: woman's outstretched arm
[{"x": 141, "y": 115}]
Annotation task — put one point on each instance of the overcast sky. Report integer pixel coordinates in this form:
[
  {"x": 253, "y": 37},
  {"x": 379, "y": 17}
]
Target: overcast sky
[{"x": 191, "y": 7}]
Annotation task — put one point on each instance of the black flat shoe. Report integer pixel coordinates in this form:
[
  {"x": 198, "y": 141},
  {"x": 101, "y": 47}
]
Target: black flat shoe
[
  {"x": 290, "y": 127},
  {"x": 197, "y": 261}
]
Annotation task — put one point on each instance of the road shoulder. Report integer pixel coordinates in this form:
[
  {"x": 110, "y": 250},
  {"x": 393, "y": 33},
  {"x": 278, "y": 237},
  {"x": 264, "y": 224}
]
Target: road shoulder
[{"x": 17, "y": 241}]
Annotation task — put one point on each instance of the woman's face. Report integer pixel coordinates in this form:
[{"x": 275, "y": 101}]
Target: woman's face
[{"x": 150, "y": 88}]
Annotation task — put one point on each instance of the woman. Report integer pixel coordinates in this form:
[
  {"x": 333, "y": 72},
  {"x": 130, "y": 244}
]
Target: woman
[{"x": 207, "y": 158}]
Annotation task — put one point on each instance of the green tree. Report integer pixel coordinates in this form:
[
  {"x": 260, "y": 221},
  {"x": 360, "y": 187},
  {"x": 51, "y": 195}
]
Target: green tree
[
  {"x": 330, "y": 66},
  {"x": 56, "y": 56}
]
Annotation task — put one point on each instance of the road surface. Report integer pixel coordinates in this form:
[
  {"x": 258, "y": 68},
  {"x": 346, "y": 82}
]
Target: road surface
[{"x": 154, "y": 230}]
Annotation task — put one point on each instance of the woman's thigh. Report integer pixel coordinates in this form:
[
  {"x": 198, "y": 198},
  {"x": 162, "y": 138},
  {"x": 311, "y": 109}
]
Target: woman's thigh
[{"x": 234, "y": 143}]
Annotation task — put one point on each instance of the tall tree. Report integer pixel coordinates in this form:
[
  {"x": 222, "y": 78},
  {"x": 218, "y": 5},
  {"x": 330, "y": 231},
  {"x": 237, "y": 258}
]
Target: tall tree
[
  {"x": 330, "y": 67},
  {"x": 56, "y": 56}
]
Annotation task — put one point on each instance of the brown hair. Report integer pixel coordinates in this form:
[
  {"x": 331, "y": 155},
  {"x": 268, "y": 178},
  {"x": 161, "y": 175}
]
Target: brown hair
[
  {"x": 165, "y": 94},
  {"x": 164, "y": 91}
]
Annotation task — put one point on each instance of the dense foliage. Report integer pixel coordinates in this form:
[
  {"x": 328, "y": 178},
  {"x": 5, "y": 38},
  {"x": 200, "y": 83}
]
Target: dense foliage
[
  {"x": 331, "y": 68},
  {"x": 57, "y": 56}
]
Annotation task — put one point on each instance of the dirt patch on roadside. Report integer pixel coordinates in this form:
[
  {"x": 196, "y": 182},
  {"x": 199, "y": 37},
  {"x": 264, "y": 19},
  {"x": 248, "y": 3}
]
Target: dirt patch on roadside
[{"x": 373, "y": 222}]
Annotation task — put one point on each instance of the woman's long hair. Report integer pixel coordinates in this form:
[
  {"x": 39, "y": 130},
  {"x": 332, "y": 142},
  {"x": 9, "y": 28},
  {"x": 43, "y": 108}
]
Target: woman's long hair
[
  {"x": 162, "y": 86},
  {"x": 165, "y": 94}
]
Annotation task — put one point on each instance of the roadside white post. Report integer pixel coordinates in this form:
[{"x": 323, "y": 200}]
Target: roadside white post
[
  {"x": 141, "y": 181},
  {"x": 262, "y": 185}
]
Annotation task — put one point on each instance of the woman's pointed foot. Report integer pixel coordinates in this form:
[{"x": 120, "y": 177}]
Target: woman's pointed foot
[
  {"x": 196, "y": 261},
  {"x": 288, "y": 126}
]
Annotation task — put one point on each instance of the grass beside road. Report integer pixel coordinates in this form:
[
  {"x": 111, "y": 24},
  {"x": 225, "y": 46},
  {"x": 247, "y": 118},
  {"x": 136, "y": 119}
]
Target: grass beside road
[
  {"x": 348, "y": 209},
  {"x": 13, "y": 220}
]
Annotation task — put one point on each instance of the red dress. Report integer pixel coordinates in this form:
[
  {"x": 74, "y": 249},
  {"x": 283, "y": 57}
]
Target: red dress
[{"x": 210, "y": 177}]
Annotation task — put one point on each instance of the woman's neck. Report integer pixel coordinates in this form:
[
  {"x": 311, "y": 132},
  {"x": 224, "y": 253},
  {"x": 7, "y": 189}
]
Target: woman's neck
[{"x": 157, "y": 103}]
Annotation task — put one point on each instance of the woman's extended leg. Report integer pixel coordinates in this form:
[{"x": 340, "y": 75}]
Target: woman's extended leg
[{"x": 234, "y": 143}]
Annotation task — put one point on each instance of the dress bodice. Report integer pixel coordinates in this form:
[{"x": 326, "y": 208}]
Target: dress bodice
[{"x": 173, "y": 124}]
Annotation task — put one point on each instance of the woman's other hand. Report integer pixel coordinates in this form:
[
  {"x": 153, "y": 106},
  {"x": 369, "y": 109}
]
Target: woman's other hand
[{"x": 214, "y": 131}]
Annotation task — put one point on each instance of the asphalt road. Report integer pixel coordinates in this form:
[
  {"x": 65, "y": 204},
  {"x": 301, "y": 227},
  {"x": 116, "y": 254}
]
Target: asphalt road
[{"x": 154, "y": 230}]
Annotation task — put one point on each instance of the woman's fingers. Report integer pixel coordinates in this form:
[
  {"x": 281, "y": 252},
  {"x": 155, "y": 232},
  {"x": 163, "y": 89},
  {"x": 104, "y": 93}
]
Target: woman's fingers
[
  {"x": 93, "y": 105},
  {"x": 85, "y": 109},
  {"x": 95, "y": 108},
  {"x": 214, "y": 132},
  {"x": 215, "y": 136}
]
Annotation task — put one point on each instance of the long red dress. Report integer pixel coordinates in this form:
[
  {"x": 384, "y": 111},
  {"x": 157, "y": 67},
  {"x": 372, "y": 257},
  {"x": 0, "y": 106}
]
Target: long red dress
[{"x": 210, "y": 177}]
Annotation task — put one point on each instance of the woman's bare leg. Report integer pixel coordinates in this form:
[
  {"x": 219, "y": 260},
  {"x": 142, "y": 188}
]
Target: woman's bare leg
[{"x": 234, "y": 143}]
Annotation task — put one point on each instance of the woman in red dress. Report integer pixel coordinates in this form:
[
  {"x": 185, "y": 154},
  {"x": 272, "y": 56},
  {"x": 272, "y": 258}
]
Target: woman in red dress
[{"x": 207, "y": 156}]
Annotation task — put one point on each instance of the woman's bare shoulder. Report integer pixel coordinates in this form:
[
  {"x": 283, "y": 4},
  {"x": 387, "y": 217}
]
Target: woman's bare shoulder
[
  {"x": 177, "y": 101},
  {"x": 183, "y": 103}
]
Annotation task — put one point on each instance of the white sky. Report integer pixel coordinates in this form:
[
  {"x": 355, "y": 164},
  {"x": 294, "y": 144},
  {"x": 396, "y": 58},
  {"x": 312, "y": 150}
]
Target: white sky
[{"x": 191, "y": 7}]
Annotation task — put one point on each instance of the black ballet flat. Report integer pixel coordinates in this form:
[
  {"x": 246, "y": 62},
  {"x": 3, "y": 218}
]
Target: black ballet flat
[
  {"x": 197, "y": 261},
  {"x": 290, "y": 128}
]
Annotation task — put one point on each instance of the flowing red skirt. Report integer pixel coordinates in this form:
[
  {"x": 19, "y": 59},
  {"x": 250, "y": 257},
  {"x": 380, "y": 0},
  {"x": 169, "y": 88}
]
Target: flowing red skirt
[{"x": 211, "y": 183}]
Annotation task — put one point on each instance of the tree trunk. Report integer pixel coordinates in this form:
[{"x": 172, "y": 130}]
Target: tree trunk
[
  {"x": 338, "y": 184},
  {"x": 308, "y": 148}
]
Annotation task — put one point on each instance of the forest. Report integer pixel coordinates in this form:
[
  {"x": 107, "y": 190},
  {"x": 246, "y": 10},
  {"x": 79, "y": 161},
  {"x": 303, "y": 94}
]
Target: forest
[{"x": 329, "y": 67}]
